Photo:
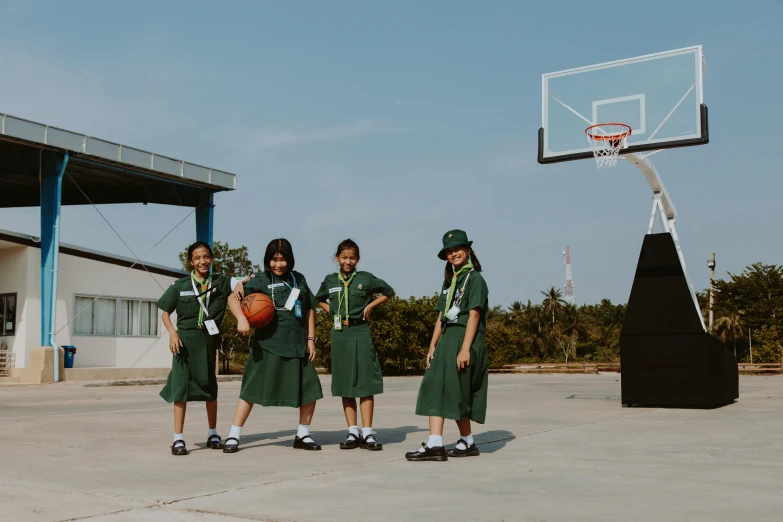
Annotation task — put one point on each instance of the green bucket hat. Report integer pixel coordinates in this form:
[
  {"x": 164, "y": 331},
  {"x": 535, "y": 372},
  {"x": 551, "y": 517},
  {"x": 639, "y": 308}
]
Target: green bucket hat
[{"x": 453, "y": 238}]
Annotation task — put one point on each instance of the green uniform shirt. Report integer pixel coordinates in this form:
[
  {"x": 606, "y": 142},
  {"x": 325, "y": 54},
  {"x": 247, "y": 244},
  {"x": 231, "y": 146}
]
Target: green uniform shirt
[
  {"x": 286, "y": 335},
  {"x": 360, "y": 293},
  {"x": 476, "y": 296},
  {"x": 179, "y": 297}
]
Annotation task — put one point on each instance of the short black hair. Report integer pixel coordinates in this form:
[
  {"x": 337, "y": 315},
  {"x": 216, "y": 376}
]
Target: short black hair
[
  {"x": 279, "y": 246},
  {"x": 198, "y": 244},
  {"x": 348, "y": 244}
]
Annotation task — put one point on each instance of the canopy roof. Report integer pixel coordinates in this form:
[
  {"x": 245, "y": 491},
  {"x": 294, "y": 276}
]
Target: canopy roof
[{"x": 107, "y": 172}]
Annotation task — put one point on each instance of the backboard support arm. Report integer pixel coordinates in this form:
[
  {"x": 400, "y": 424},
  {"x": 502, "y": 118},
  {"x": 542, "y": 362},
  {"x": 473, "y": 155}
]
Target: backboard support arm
[{"x": 664, "y": 209}]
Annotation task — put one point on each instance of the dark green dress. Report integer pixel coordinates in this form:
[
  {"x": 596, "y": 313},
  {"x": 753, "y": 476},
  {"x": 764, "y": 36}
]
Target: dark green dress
[
  {"x": 192, "y": 375},
  {"x": 445, "y": 391},
  {"x": 277, "y": 371},
  {"x": 356, "y": 371}
]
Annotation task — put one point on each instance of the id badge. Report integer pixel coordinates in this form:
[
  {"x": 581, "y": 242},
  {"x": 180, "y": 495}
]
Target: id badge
[
  {"x": 452, "y": 314},
  {"x": 211, "y": 327},
  {"x": 298, "y": 309},
  {"x": 292, "y": 299},
  {"x": 338, "y": 322}
]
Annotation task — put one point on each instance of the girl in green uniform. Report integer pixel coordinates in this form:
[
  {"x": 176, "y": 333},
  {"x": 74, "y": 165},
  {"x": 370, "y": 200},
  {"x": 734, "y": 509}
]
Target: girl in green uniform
[
  {"x": 200, "y": 301},
  {"x": 279, "y": 370},
  {"x": 356, "y": 371},
  {"x": 455, "y": 383}
]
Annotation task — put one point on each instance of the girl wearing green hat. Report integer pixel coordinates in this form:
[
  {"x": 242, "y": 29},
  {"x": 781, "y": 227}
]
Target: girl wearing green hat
[
  {"x": 356, "y": 371},
  {"x": 455, "y": 383}
]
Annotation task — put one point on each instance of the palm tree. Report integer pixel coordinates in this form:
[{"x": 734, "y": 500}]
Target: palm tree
[
  {"x": 730, "y": 326},
  {"x": 553, "y": 301}
]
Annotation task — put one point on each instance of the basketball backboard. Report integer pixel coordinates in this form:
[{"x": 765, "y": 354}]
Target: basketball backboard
[{"x": 659, "y": 95}]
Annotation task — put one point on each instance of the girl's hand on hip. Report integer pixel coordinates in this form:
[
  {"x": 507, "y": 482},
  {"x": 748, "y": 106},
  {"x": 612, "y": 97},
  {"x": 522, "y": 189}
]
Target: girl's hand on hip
[{"x": 366, "y": 313}]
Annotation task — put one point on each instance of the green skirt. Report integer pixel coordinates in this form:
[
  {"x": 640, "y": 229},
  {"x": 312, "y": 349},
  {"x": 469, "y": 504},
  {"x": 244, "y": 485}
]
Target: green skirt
[
  {"x": 192, "y": 376},
  {"x": 272, "y": 380},
  {"x": 455, "y": 394},
  {"x": 356, "y": 371}
]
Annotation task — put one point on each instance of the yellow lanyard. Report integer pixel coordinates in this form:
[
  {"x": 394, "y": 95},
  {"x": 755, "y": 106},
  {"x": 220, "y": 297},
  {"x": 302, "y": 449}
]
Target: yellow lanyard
[{"x": 345, "y": 291}]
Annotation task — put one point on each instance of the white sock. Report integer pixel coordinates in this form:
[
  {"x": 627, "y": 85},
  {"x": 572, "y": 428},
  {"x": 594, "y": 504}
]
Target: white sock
[
  {"x": 212, "y": 431},
  {"x": 235, "y": 431},
  {"x": 366, "y": 432},
  {"x": 303, "y": 431},
  {"x": 354, "y": 430},
  {"x": 178, "y": 436},
  {"x": 468, "y": 439},
  {"x": 433, "y": 442}
]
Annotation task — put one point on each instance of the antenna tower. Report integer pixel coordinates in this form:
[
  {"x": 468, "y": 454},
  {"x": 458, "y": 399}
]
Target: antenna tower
[{"x": 569, "y": 283}]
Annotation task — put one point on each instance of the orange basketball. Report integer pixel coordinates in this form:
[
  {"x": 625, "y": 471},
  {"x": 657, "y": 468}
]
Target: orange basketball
[{"x": 259, "y": 310}]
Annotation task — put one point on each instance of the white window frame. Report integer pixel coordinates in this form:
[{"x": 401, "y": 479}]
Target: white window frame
[{"x": 117, "y": 316}]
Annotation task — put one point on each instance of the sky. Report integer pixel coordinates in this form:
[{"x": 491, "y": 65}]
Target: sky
[{"x": 393, "y": 122}]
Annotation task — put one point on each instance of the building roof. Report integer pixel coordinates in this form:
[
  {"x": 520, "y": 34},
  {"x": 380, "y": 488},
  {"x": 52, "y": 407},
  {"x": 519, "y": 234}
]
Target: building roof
[
  {"x": 105, "y": 171},
  {"x": 86, "y": 253}
]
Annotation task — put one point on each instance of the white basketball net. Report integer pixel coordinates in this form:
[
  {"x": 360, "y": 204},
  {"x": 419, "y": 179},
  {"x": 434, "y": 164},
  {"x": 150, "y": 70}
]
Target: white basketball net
[{"x": 606, "y": 140}]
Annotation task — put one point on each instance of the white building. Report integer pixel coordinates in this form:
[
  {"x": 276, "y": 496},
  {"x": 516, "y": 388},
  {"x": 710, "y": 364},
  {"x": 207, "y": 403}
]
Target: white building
[{"x": 105, "y": 308}]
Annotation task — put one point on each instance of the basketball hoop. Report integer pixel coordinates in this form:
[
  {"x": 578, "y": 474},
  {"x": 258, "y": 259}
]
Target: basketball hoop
[{"x": 606, "y": 140}]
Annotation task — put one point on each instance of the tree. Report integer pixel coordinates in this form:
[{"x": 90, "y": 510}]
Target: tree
[
  {"x": 230, "y": 262},
  {"x": 553, "y": 301},
  {"x": 729, "y": 327}
]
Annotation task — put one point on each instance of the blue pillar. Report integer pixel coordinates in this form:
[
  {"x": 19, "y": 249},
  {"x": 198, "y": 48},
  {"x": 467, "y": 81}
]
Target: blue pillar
[
  {"x": 205, "y": 219},
  {"x": 52, "y": 170}
]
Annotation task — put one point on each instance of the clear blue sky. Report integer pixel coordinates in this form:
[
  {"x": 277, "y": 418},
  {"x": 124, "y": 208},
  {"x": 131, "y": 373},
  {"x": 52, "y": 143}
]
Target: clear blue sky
[{"x": 392, "y": 122}]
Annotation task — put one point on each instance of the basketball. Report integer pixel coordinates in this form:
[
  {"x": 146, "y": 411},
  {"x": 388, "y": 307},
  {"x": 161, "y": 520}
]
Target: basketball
[{"x": 259, "y": 310}]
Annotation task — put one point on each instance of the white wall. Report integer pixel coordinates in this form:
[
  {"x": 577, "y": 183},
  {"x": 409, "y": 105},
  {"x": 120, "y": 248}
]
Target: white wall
[
  {"x": 20, "y": 272},
  {"x": 13, "y": 278}
]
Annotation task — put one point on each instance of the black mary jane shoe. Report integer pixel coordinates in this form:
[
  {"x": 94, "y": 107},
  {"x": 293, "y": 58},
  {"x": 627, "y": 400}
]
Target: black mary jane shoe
[
  {"x": 369, "y": 443},
  {"x": 437, "y": 453},
  {"x": 469, "y": 451},
  {"x": 351, "y": 442},
  {"x": 306, "y": 443},
  {"x": 231, "y": 448},
  {"x": 214, "y": 442},
  {"x": 178, "y": 448}
]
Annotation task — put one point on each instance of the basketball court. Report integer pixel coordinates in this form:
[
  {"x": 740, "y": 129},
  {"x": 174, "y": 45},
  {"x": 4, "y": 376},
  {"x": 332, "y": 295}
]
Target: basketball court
[{"x": 555, "y": 447}]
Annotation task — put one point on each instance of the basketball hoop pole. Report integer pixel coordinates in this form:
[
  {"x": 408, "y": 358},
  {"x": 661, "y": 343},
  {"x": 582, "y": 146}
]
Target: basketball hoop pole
[{"x": 663, "y": 208}]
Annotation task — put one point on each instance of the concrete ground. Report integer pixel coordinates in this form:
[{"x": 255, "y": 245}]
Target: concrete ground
[{"x": 555, "y": 448}]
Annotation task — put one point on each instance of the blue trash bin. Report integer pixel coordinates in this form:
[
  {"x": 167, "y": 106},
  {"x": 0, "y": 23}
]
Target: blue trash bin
[{"x": 70, "y": 351}]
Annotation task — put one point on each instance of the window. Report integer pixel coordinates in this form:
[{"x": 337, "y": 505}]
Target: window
[
  {"x": 115, "y": 316},
  {"x": 7, "y": 314}
]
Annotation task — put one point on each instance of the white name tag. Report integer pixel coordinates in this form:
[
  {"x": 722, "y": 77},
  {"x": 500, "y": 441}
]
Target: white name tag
[
  {"x": 186, "y": 293},
  {"x": 289, "y": 304},
  {"x": 446, "y": 292},
  {"x": 211, "y": 327},
  {"x": 275, "y": 285},
  {"x": 335, "y": 289}
]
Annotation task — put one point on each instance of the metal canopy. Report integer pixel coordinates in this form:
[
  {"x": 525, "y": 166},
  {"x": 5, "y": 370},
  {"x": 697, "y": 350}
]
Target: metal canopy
[{"x": 107, "y": 172}]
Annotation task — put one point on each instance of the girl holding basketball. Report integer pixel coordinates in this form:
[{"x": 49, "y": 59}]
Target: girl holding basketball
[
  {"x": 455, "y": 383},
  {"x": 279, "y": 370},
  {"x": 200, "y": 301},
  {"x": 356, "y": 371}
]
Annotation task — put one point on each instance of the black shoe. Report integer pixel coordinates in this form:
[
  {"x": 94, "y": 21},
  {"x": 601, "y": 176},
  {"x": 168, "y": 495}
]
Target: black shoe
[
  {"x": 352, "y": 442},
  {"x": 178, "y": 448},
  {"x": 469, "y": 451},
  {"x": 438, "y": 453},
  {"x": 214, "y": 442},
  {"x": 306, "y": 443},
  {"x": 231, "y": 448},
  {"x": 369, "y": 443}
]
